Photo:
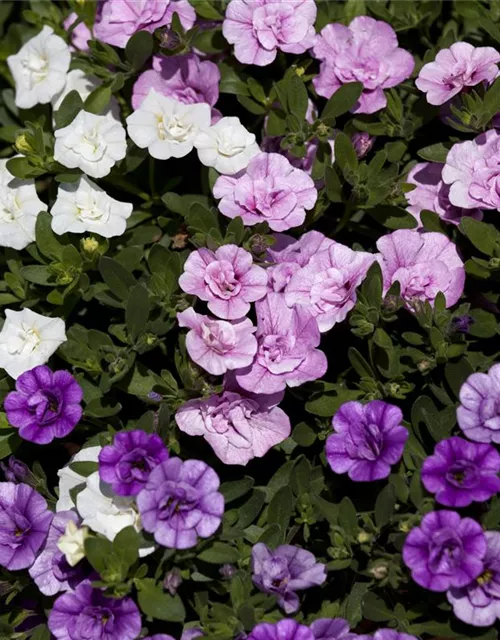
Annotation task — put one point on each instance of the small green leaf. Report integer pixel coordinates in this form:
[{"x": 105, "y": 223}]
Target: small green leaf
[
  {"x": 68, "y": 110},
  {"x": 118, "y": 279},
  {"x": 342, "y": 101},
  {"x": 137, "y": 311},
  {"x": 219, "y": 553},
  {"x": 139, "y": 49},
  {"x": 154, "y": 602}
]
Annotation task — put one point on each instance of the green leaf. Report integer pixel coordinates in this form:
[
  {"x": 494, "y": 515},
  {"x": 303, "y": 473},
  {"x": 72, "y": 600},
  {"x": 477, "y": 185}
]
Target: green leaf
[
  {"x": 157, "y": 604},
  {"x": 139, "y": 49},
  {"x": 45, "y": 238},
  {"x": 296, "y": 95},
  {"x": 342, "y": 101},
  {"x": 137, "y": 311},
  {"x": 485, "y": 324},
  {"x": 439, "y": 423},
  {"x": 333, "y": 185},
  {"x": 375, "y": 609},
  {"x": 236, "y": 489},
  {"x": 118, "y": 279},
  {"x": 483, "y": 236},
  {"x": 434, "y": 153},
  {"x": 300, "y": 478},
  {"x": 219, "y": 553},
  {"x": 38, "y": 274},
  {"x": 354, "y": 604},
  {"x": 347, "y": 516},
  {"x": 384, "y": 506},
  {"x": 281, "y": 508},
  {"x": 68, "y": 110},
  {"x": 231, "y": 82},
  {"x": 202, "y": 219},
  {"x": 304, "y": 435},
  {"x": 126, "y": 545},
  {"x": 393, "y": 217},
  {"x": 99, "y": 552},
  {"x": 345, "y": 157},
  {"x": 98, "y": 100},
  {"x": 9, "y": 442},
  {"x": 84, "y": 469},
  {"x": 372, "y": 285}
]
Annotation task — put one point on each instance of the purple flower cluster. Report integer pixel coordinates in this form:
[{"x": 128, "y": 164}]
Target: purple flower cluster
[{"x": 320, "y": 629}]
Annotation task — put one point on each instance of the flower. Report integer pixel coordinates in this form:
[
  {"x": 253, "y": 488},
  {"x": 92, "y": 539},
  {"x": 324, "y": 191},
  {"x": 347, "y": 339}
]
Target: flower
[
  {"x": 24, "y": 524},
  {"x": 50, "y": 571},
  {"x": 78, "y": 80},
  {"x": 119, "y": 20},
  {"x": 45, "y": 404},
  {"x": 327, "y": 285},
  {"x": 367, "y": 52},
  {"x": 172, "y": 581},
  {"x": 432, "y": 194},
  {"x": 166, "y": 127},
  {"x": 478, "y": 603},
  {"x": 285, "y": 629},
  {"x": 69, "y": 479},
  {"x": 478, "y": 414},
  {"x": 91, "y": 143},
  {"x": 286, "y": 354},
  {"x": 284, "y": 571},
  {"x": 72, "y": 543},
  {"x": 259, "y": 29},
  {"x": 227, "y": 279},
  {"x": 15, "y": 470},
  {"x": 127, "y": 463},
  {"x": 461, "y": 472},
  {"x": 331, "y": 629},
  {"x": 271, "y": 190},
  {"x": 227, "y": 146},
  {"x": 424, "y": 264},
  {"x": 19, "y": 209},
  {"x": 218, "y": 345},
  {"x": 83, "y": 206},
  {"x": 28, "y": 339},
  {"x": 181, "y": 502},
  {"x": 392, "y": 634},
  {"x": 462, "y": 65},
  {"x": 87, "y": 612},
  {"x": 445, "y": 551},
  {"x": 368, "y": 439},
  {"x": 288, "y": 250},
  {"x": 81, "y": 33},
  {"x": 237, "y": 428},
  {"x": 39, "y": 68}
]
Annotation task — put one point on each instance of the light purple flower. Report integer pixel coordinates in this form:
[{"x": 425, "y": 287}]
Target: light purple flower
[
  {"x": 326, "y": 286},
  {"x": 432, "y": 194},
  {"x": 391, "y": 634},
  {"x": 172, "y": 581},
  {"x": 259, "y": 28},
  {"x": 227, "y": 279},
  {"x": 472, "y": 170},
  {"x": 368, "y": 439},
  {"x": 462, "y": 65},
  {"x": 45, "y": 404},
  {"x": 285, "y": 629},
  {"x": 461, "y": 472},
  {"x": 127, "y": 463},
  {"x": 217, "y": 345},
  {"x": 270, "y": 190},
  {"x": 284, "y": 571},
  {"x": 272, "y": 144},
  {"x": 332, "y": 629},
  {"x": 479, "y": 412},
  {"x": 287, "y": 354},
  {"x": 50, "y": 571},
  {"x": 445, "y": 551},
  {"x": 362, "y": 143},
  {"x": 15, "y": 470},
  {"x": 237, "y": 428},
  {"x": 424, "y": 264},
  {"x": 118, "y": 20},
  {"x": 478, "y": 603},
  {"x": 181, "y": 503},
  {"x": 87, "y": 613},
  {"x": 366, "y": 51},
  {"x": 81, "y": 33},
  {"x": 24, "y": 524}
]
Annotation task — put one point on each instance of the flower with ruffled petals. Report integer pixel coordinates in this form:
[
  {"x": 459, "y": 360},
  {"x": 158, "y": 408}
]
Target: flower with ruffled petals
[{"x": 479, "y": 412}]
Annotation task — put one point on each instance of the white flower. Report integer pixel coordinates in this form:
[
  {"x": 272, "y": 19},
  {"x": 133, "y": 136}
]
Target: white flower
[
  {"x": 83, "y": 206},
  {"x": 168, "y": 128},
  {"x": 69, "y": 479},
  {"x": 92, "y": 143},
  {"x": 28, "y": 339},
  {"x": 39, "y": 68},
  {"x": 19, "y": 208},
  {"x": 227, "y": 146},
  {"x": 78, "y": 80},
  {"x": 72, "y": 543}
]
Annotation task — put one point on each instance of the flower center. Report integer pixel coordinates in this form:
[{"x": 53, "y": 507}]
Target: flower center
[
  {"x": 463, "y": 474},
  {"x": 93, "y": 146},
  {"x": 229, "y": 143},
  {"x": 46, "y": 405},
  {"x": 25, "y": 341},
  {"x": 485, "y": 577},
  {"x": 36, "y": 67},
  {"x": 10, "y": 207},
  {"x": 221, "y": 280},
  {"x": 88, "y": 210},
  {"x": 446, "y": 551},
  {"x": 219, "y": 336},
  {"x": 173, "y": 128}
]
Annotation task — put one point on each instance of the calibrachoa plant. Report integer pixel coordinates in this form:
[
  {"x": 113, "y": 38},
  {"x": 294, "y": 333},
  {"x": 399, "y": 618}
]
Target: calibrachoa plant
[{"x": 249, "y": 376}]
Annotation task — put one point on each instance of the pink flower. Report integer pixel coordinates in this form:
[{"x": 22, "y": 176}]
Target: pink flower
[
  {"x": 424, "y": 264},
  {"x": 120, "y": 19},
  {"x": 326, "y": 286},
  {"x": 287, "y": 354},
  {"x": 217, "y": 345},
  {"x": 81, "y": 33},
  {"x": 366, "y": 51},
  {"x": 270, "y": 190},
  {"x": 236, "y": 427},
  {"x": 462, "y": 65},
  {"x": 259, "y": 28},
  {"x": 227, "y": 279}
]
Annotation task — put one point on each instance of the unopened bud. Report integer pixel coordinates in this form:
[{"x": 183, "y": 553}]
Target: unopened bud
[
  {"x": 89, "y": 245},
  {"x": 300, "y": 71},
  {"x": 424, "y": 365},
  {"x": 364, "y": 537},
  {"x": 22, "y": 144},
  {"x": 173, "y": 581}
]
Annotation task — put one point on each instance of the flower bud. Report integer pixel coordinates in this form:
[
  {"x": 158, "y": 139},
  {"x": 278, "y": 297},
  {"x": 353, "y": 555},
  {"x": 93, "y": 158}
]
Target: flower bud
[
  {"x": 72, "y": 543},
  {"x": 22, "y": 145},
  {"x": 172, "y": 581},
  {"x": 89, "y": 245}
]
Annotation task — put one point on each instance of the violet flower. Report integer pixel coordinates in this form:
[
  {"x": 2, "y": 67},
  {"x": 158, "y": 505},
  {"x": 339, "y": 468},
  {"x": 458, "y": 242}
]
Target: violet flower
[
  {"x": 332, "y": 629},
  {"x": 479, "y": 412},
  {"x": 285, "y": 629},
  {"x": 15, "y": 470}
]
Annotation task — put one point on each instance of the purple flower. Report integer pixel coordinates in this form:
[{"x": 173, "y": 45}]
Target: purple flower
[
  {"x": 460, "y": 472},
  {"x": 227, "y": 279},
  {"x": 462, "y": 65},
  {"x": 259, "y": 28},
  {"x": 237, "y": 428},
  {"x": 172, "y": 581},
  {"x": 285, "y": 629},
  {"x": 390, "y": 634},
  {"x": 284, "y": 571},
  {"x": 286, "y": 354},
  {"x": 118, "y": 20},
  {"x": 159, "y": 636},
  {"x": 45, "y": 405},
  {"x": 367, "y": 52},
  {"x": 432, "y": 194},
  {"x": 269, "y": 190},
  {"x": 478, "y": 603},
  {"x": 445, "y": 551},
  {"x": 127, "y": 463},
  {"x": 87, "y": 613},
  {"x": 362, "y": 143},
  {"x": 462, "y": 324},
  {"x": 479, "y": 412},
  {"x": 50, "y": 571},
  {"x": 181, "y": 503},
  {"x": 424, "y": 264},
  {"x": 227, "y": 571},
  {"x": 81, "y": 33},
  {"x": 218, "y": 345},
  {"x": 332, "y": 629},
  {"x": 24, "y": 523},
  {"x": 15, "y": 470},
  {"x": 368, "y": 439},
  {"x": 326, "y": 286}
]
